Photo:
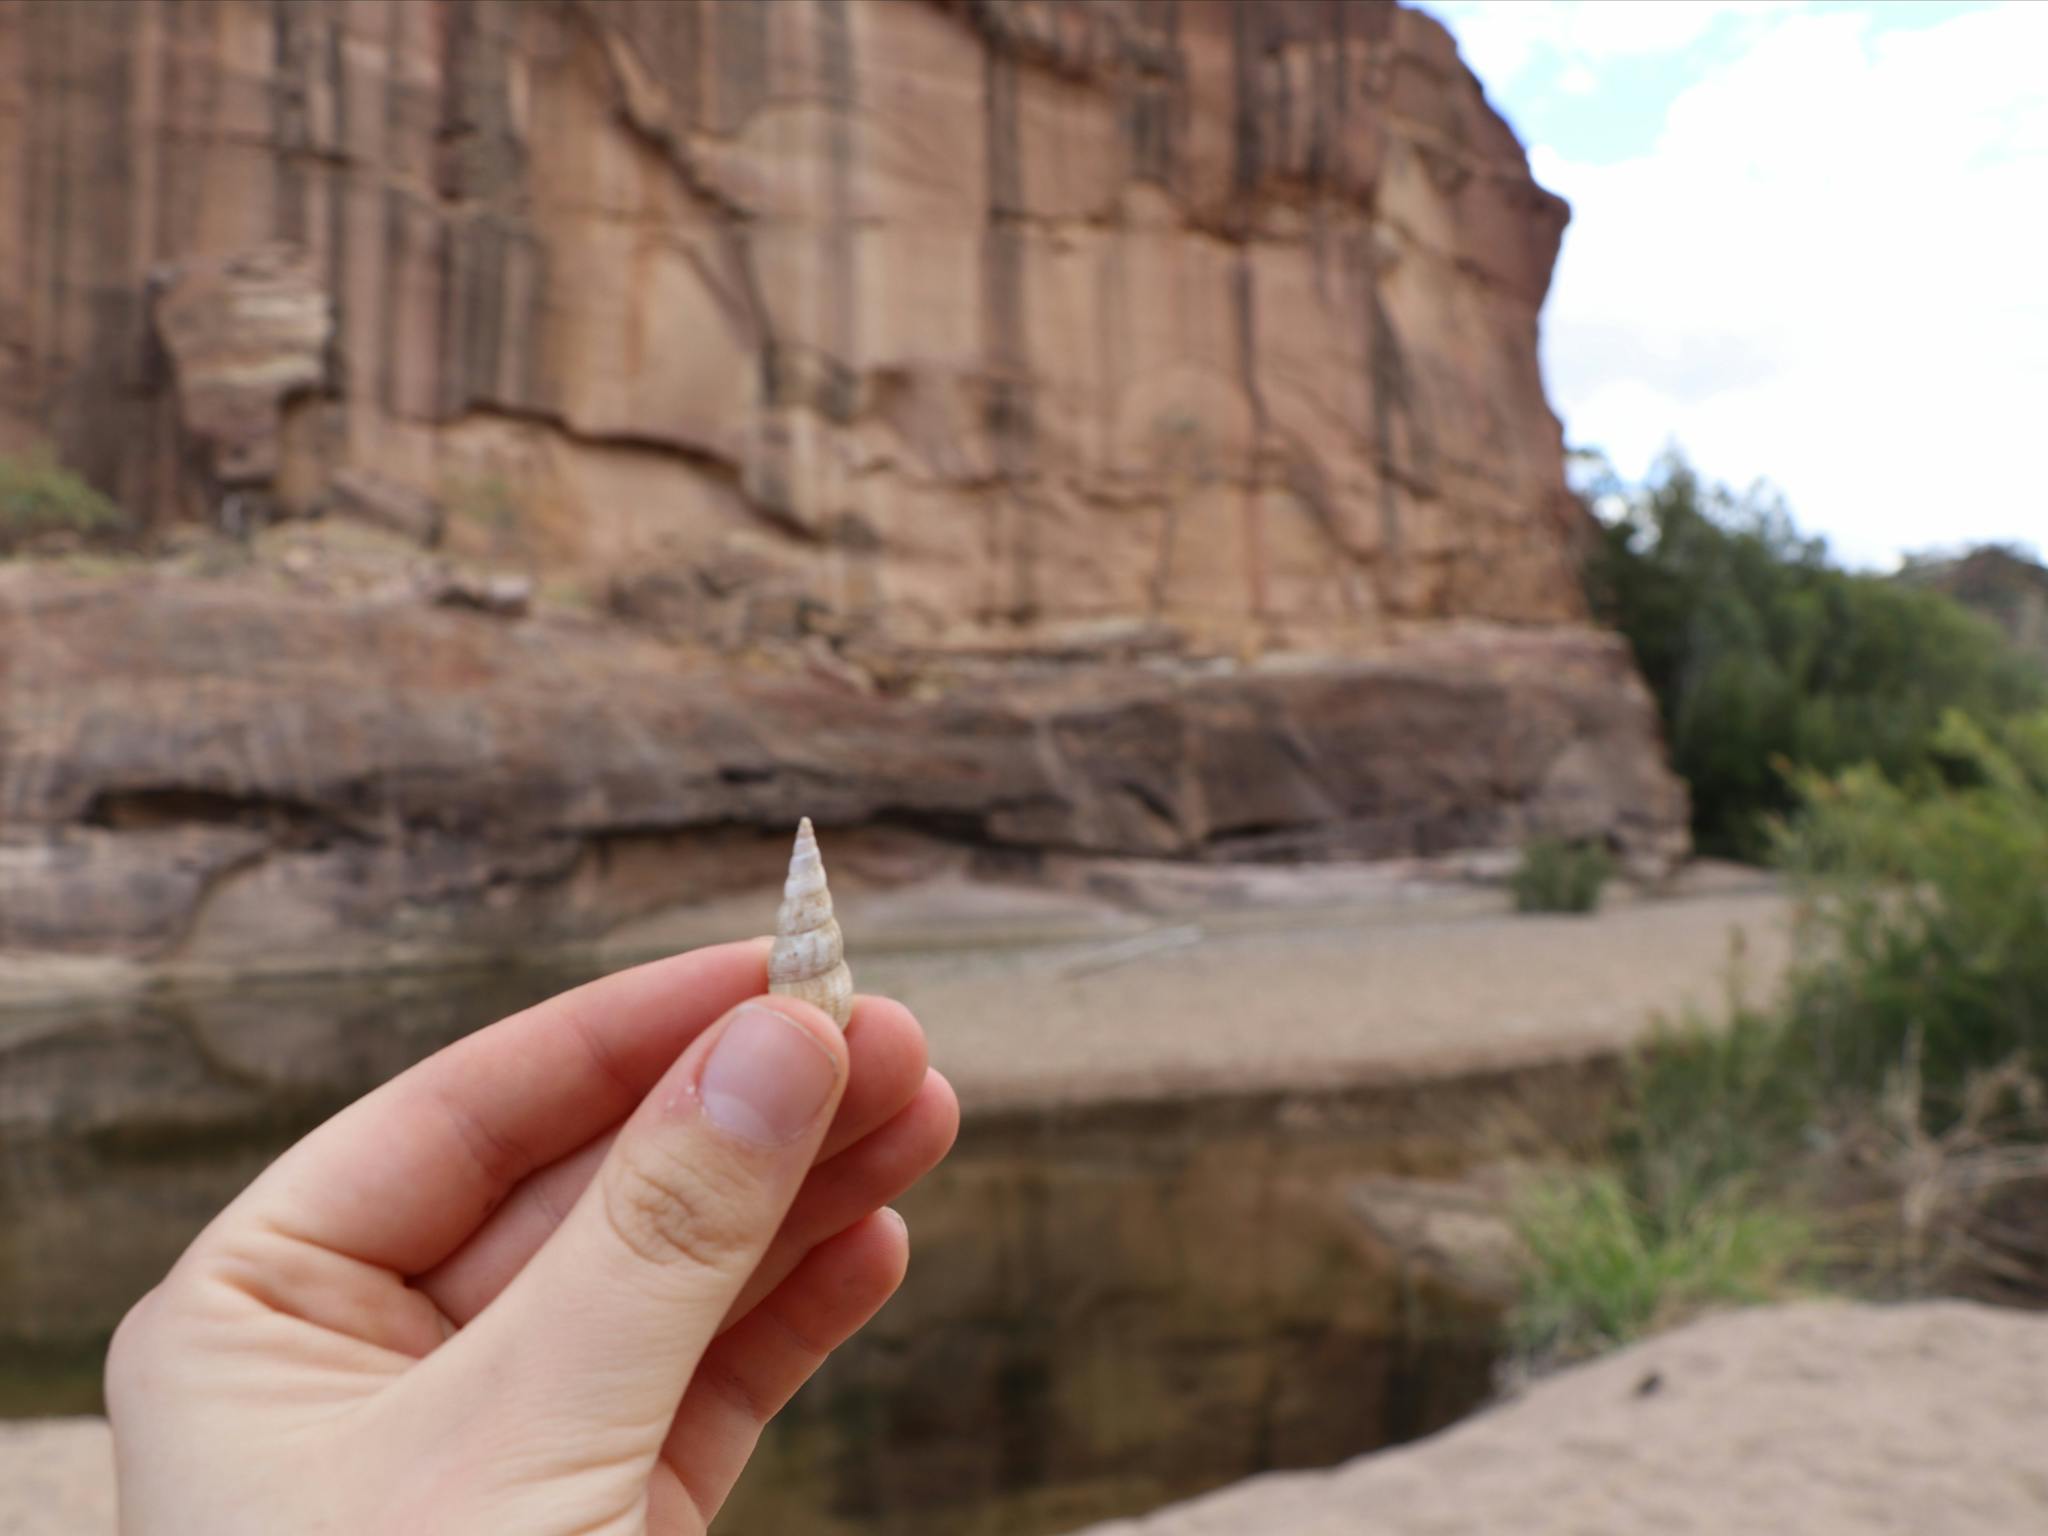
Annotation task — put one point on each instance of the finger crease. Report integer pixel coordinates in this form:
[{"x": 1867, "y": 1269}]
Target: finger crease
[
  {"x": 537, "y": 1192},
  {"x": 795, "y": 1335},
  {"x": 501, "y": 1159},
  {"x": 606, "y": 1060},
  {"x": 732, "y": 1387}
]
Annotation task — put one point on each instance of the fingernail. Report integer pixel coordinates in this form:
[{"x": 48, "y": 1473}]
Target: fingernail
[
  {"x": 767, "y": 1078},
  {"x": 896, "y": 1216}
]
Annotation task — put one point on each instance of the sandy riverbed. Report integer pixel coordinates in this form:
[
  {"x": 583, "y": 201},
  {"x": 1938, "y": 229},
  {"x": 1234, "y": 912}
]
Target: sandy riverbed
[{"x": 1311, "y": 998}]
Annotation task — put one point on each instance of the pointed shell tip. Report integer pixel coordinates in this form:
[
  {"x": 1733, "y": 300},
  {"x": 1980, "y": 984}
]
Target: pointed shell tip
[{"x": 808, "y": 959}]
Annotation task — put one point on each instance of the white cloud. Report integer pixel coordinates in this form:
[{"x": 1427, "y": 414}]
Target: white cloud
[
  {"x": 1578, "y": 80},
  {"x": 1501, "y": 39},
  {"x": 1832, "y": 271}
]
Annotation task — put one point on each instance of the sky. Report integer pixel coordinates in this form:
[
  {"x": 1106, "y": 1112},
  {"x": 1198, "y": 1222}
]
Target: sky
[{"x": 1809, "y": 244}]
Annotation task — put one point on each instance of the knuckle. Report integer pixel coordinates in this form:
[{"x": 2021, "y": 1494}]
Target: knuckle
[{"x": 666, "y": 1211}]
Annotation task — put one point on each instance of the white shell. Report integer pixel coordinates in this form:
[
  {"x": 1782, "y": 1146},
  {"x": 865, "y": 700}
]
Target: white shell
[{"x": 809, "y": 957}]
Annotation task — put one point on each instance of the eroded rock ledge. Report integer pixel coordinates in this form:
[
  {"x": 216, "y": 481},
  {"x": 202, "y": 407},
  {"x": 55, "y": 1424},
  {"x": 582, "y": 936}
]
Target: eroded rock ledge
[{"x": 226, "y": 772}]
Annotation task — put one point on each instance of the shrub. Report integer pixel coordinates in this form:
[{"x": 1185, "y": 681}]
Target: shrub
[
  {"x": 39, "y": 497},
  {"x": 1559, "y": 876},
  {"x": 1763, "y": 656},
  {"x": 1690, "y": 1209},
  {"x": 1888, "y": 1102},
  {"x": 1607, "y": 1268},
  {"x": 1712, "y": 1105},
  {"x": 1926, "y": 914},
  {"x": 1960, "y": 1211}
]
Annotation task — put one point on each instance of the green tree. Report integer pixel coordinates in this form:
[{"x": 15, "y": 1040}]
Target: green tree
[
  {"x": 1765, "y": 658},
  {"x": 1927, "y": 914}
]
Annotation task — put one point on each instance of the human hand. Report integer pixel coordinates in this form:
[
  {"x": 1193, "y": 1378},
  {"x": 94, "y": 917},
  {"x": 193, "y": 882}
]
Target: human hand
[{"x": 552, "y": 1280}]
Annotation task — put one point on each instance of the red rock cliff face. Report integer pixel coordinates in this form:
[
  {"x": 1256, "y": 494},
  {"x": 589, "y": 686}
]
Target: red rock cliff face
[
  {"x": 1127, "y": 411},
  {"x": 933, "y": 318}
]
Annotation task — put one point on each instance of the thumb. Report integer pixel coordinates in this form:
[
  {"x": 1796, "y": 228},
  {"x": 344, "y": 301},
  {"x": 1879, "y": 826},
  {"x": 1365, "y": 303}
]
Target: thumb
[{"x": 609, "y": 1320}]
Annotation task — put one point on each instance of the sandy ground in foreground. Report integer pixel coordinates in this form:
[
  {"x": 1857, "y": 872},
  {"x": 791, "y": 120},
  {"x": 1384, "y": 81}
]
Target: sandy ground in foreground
[
  {"x": 1825, "y": 1419},
  {"x": 56, "y": 1478}
]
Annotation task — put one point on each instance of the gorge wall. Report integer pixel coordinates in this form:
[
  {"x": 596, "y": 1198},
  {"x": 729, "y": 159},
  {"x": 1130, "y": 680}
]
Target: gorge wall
[{"x": 1136, "y": 401}]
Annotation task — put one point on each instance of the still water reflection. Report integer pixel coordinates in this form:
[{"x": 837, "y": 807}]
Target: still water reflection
[
  {"x": 126, "y": 1122},
  {"x": 1109, "y": 1307}
]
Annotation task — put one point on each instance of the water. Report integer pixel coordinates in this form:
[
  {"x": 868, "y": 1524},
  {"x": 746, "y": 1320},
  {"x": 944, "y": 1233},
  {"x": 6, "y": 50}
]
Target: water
[
  {"x": 125, "y": 1123},
  {"x": 1109, "y": 1307}
]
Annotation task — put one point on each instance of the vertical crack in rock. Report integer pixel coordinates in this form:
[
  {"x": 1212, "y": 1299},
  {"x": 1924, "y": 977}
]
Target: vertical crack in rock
[
  {"x": 835, "y": 56},
  {"x": 392, "y": 212},
  {"x": 1243, "y": 300},
  {"x": 1247, "y": 21},
  {"x": 340, "y": 226},
  {"x": 479, "y": 170},
  {"x": 290, "y": 23},
  {"x": 1009, "y": 409}
]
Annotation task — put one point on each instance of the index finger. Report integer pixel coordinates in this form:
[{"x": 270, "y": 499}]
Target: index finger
[{"x": 402, "y": 1176}]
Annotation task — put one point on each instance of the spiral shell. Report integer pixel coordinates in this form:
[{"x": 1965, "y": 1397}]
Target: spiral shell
[{"x": 809, "y": 957}]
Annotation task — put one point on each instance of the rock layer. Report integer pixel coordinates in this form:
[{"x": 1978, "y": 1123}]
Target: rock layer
[{"x": 221, "y": 772}]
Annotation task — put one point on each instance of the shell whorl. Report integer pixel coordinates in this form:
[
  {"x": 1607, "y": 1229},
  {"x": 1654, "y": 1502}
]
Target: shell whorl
[{"x": 809, "y": 957}]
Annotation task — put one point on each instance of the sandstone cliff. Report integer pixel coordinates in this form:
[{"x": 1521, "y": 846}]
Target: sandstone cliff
[{"x": 1077, "y": 373}]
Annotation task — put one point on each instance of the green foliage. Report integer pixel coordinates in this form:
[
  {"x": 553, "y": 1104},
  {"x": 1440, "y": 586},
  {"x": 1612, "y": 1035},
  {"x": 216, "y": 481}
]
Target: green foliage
[
  {"x": 1607, "y": 1268},
  {"x": 1763, "y": 656},
  {"x": 1560, "y": 876},
  {"x": 1711, "y": 1105},
  {"x": 1927, "y": 913},
  {"x": 1686, "y": 1212},
  {"x": 39, "y": 497},
  {"x": 1924, "y": 965}
]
